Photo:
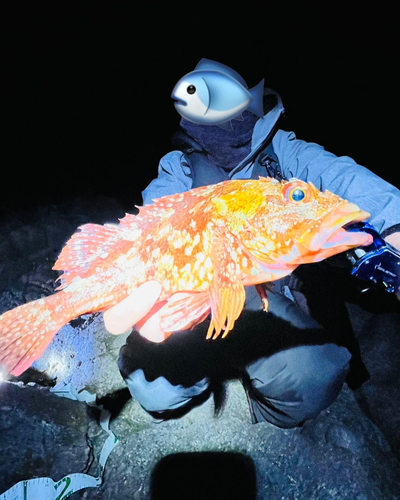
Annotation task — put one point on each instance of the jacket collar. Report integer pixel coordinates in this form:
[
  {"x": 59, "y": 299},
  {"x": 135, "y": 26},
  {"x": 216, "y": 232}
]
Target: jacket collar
[{"x": 263, "y": 132}]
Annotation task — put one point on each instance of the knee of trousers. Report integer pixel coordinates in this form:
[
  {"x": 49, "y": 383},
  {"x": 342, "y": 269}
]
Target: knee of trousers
[
  {"x": 296, "y": 384},
  {"x": 160, "y": 395}
]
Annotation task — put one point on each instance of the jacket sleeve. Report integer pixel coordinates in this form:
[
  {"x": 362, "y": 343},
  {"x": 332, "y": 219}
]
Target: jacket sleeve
[
  {"x": 173, "y": 177},
  {"x": 341, "y": 175}
]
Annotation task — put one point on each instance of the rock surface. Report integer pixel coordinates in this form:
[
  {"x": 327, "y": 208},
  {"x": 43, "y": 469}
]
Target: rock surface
[{"x": 351, "y": 451}]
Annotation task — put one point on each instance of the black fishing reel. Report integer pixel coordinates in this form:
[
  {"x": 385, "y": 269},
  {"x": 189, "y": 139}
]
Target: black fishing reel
[{"x": 378, "y": 263}]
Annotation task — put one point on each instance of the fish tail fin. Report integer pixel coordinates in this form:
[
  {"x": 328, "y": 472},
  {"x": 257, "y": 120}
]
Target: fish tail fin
[
  {"x": 27, "y": 330},
  {"x": 256, "y": 105}
]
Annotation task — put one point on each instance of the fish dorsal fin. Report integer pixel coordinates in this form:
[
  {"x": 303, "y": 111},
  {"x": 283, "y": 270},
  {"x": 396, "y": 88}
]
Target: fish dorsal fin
[
  {"x": 161, "y": 207},
  {"x": 86, "y": 249},
  {"x": 129, "y": 220},
  {"x": 208, "y": 64}
]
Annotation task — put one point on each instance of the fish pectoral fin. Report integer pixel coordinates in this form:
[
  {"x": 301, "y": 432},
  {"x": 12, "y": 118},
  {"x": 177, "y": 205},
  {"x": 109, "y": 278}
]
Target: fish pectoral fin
[
  {"x": 227, "y": 295},
  {"x": 184, "y": 310}
]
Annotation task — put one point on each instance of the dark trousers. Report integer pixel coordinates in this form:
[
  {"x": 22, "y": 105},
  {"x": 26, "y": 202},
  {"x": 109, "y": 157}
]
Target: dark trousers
[{"x": 291, "y": 367}]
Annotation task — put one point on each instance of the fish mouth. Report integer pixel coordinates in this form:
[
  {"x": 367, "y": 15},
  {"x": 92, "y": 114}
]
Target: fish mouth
[
  {"x": 178, "y": 101},
  {"x": 331, "y": 237}
]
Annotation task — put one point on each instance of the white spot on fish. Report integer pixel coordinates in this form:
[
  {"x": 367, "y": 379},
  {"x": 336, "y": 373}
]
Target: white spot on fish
[
  {"x": 167, "y": 260},
  {"x": 155, "y": 254},
  {"x": 177, "y": 243},
  {"x": 207, "y": 263},
  {"x": 121, "y": 260},
  {"x": 187, "y": 268},
  {"x": 270, "y": 246}
]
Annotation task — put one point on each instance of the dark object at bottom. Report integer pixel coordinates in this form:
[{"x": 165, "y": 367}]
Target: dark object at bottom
[{"x": 207, "y": 475}]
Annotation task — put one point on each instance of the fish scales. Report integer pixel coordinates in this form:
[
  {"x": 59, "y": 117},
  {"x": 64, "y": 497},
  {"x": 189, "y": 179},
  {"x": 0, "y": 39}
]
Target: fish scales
[{"x": 206, "y": 244}]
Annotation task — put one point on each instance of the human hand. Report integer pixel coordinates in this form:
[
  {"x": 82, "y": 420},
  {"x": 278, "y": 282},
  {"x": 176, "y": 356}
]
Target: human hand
[
  {"x": 142, "y": 310},
  {"x": 394, "y": 240},
  {"x": 137, "y": 309}
]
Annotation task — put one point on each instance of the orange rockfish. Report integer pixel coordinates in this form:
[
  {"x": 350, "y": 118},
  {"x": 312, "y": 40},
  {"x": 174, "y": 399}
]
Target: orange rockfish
[{"x": 209, "y": 243}]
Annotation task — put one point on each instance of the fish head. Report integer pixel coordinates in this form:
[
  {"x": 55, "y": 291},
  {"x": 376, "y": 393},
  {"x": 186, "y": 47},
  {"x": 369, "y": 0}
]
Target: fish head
[
  {"x": 317, "y": 229},
  {"x": 192, "y": 97},
  {"x": 289, "y": 223}
]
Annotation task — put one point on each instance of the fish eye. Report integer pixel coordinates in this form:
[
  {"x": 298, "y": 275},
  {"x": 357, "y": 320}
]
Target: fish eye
[
  {"x": 296, "y": 192},
  {"x": 191, "y": 89}
]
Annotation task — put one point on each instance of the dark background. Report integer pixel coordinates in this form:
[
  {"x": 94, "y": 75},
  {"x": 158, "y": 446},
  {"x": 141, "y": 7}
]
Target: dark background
[{"x": 87, "y": 106}]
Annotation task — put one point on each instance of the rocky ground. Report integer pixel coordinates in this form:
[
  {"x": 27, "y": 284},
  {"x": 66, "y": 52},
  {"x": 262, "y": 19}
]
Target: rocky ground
[{"x": 351, "y": 451}]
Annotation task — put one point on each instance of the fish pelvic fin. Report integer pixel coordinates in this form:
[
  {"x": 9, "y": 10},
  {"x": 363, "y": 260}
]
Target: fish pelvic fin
[
  {"x": 227, "y": 295},
  {"x": 256, "y": 105},
  {"x": 27, "y": 330},
  {"x": 227, "y": 304}
]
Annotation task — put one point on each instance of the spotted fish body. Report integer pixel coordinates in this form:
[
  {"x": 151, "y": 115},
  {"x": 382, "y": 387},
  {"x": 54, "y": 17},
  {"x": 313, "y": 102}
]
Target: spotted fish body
[{"x": 209, "y": 243}]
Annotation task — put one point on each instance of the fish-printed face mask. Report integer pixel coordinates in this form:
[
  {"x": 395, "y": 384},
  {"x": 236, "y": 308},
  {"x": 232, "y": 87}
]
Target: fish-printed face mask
[
  {"x": 203, "y": 246},
  {"x": 214, "y": 94}
]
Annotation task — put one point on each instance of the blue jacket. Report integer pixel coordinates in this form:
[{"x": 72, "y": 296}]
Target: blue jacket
[{"x": 303, "y": 160}]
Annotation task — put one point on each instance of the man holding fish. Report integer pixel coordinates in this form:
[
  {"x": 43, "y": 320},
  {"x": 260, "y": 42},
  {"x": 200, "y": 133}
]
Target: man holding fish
[
  {"x": 231, "y": 245},
  {"x": 293, "y": 360}
]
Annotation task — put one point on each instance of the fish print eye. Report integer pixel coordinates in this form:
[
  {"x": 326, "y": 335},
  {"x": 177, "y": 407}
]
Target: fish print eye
[
  {"x": 297, "y": 192},
  {"x": 191, "y": 89}
]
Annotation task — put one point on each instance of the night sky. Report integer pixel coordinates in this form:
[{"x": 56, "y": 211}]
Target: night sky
[{"x": 88, "y": 109}]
